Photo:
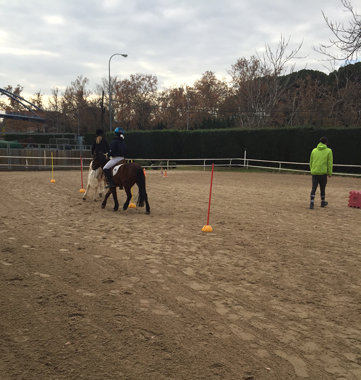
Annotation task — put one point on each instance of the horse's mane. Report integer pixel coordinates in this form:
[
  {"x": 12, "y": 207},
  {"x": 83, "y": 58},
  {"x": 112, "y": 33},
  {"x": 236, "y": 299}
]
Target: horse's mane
[{"x": 101, "y": 157}]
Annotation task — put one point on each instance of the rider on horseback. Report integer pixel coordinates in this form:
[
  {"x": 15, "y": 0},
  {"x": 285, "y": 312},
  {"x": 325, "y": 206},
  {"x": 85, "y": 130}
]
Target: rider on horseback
[
  {"x": 100, "y": 144},
  {"x": 117, "y": 151}
]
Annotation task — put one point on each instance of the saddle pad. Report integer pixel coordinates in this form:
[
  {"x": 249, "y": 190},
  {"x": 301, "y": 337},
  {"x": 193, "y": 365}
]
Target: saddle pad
[{"x": 116, "y": 168}]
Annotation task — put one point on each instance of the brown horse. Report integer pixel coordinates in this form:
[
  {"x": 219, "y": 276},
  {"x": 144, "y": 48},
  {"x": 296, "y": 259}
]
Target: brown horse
[{"x": 126, "y": 176}]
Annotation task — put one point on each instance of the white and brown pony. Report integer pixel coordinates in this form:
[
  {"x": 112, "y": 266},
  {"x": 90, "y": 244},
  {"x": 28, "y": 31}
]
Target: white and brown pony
[{"x": 96, "y": 180}]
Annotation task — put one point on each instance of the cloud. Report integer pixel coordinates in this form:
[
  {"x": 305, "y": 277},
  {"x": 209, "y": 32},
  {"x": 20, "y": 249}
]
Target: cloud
[
  {"x": 54, "y": 20},
  {"x": 47, "y": 44}
]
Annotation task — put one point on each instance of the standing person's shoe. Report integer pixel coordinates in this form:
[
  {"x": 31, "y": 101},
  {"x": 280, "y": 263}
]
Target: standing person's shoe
[
  {"x": 324, "y": 203},
  {"x": 312, "y": 205}
]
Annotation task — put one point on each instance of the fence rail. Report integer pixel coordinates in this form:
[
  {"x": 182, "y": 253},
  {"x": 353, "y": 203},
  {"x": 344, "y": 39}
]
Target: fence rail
[{"x": 45, "y": 159}]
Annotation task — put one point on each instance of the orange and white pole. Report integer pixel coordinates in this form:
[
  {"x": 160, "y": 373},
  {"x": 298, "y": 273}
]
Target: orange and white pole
[{"x": 207, "y": 227}]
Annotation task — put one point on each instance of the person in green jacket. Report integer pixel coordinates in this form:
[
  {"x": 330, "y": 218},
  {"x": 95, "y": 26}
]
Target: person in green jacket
[{"x": 321, "y": 162}]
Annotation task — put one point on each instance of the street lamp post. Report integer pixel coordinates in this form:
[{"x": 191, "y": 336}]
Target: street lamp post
[
  {"x": 110, "y": 93},
  {"x": 187, "y": 110}
]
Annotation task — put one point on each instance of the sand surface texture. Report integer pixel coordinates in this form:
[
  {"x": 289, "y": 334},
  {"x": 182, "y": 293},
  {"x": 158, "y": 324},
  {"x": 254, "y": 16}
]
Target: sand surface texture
[{"x": 87, "y": 293}]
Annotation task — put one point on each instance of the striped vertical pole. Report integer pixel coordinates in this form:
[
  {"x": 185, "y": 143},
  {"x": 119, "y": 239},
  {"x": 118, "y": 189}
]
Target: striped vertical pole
[
  {"x": 81, "y": 174},
  {"x": 52, "y": 169},
  {"x": 207, "y": 227}
]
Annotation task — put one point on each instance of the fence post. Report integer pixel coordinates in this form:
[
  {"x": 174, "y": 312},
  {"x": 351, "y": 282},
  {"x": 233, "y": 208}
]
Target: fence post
[
  {"x": 204, "y": 165},
  {"x": 279, "y": 167},
  {"x": 244, "y": 158}
]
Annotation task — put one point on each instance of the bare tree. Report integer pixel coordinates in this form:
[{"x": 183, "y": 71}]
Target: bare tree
[
  {"x": 13, "y": 105},
  {"x": 135, "y": 101},
  {"x": 346, "y": 38},
  {"x": 257, "y": 85},
  {"x": 76, "y": 105},
  {"x": 209, "y": 96},
  {"x": 171, "y": 109},
  {"x": 37, "y": 99}
]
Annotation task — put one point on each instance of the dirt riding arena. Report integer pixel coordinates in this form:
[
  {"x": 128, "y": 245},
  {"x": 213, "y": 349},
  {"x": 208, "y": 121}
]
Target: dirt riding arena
[{"x": 272, "y": 293}]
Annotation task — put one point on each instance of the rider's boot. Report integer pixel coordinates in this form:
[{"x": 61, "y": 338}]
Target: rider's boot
[{"x": 109, "y": 178}]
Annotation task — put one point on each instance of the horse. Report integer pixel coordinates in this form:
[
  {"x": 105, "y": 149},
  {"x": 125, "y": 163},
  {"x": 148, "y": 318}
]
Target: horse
[
  {"x": 125, "y": 176},
  {"x": 95, "y": 180}
]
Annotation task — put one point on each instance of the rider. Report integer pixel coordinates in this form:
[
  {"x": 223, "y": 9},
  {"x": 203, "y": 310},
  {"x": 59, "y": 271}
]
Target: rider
[
  {"x": 100, "y": 144},
  {"x": 117, "y": 151}
]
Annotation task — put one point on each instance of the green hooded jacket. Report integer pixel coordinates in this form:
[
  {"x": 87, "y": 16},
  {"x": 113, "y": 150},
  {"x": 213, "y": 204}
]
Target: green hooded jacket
[{"x": 321, "y": 160}]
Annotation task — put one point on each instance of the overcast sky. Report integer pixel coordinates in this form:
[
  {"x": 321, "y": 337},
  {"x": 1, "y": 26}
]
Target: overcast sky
[{"x": 48, "y": 43}]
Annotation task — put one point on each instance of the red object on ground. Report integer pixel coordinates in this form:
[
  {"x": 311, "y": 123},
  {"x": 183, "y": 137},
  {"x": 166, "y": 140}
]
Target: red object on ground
[{"x": 354, "y": 199}]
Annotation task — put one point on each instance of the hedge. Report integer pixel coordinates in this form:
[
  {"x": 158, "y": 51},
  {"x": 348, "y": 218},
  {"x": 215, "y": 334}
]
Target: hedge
[{"x": 287, "y": 144}]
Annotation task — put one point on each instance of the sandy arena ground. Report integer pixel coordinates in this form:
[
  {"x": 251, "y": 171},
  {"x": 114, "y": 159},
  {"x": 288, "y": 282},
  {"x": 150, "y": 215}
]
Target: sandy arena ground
[{"x": 272, "y": 293}]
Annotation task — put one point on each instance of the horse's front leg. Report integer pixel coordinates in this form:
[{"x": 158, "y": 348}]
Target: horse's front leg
[
  {"x": 116, "y": 203},
  {"x": 95, "y": 193},
  {"x": 101, "y": 188},
  {"x": 129, "y": 197},
  {"x": 106, "y": 197}
]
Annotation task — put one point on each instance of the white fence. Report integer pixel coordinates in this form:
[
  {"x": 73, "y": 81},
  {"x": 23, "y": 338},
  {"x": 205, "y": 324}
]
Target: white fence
[{"x": 36, "y": 159}]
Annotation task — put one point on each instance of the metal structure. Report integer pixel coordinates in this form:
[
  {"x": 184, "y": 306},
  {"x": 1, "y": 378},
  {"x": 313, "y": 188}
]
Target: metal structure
[
  {"x": 110, "y": 93},
  {"x": 26, "y": 104}
]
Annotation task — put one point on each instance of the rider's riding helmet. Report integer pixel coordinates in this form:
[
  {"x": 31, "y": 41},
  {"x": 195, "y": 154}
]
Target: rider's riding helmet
[
  {"x": 119, "y": 131},
  {"x": 99, "y": 132}
]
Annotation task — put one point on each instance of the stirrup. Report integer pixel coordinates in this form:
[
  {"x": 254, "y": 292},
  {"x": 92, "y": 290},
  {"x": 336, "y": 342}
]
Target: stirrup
[{"x": 110, "y": 184}]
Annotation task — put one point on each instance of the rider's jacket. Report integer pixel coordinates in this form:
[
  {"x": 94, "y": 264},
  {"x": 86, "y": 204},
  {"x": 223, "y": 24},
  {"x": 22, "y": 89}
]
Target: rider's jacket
[{"x": 117, "y": 148}]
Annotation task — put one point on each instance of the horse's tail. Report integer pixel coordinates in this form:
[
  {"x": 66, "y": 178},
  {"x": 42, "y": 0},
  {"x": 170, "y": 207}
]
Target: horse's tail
[{"x": 141, "y": 185}]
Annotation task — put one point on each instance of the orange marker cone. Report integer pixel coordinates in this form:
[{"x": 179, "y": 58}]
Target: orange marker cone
[
  {"x": 145, "y": 174},
  {"x": 165, "y": 173}
]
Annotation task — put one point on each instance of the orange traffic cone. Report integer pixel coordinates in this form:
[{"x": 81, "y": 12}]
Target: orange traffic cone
[
  {"x": 165, "y": 173},
  {"x": 145, "y": 174}
]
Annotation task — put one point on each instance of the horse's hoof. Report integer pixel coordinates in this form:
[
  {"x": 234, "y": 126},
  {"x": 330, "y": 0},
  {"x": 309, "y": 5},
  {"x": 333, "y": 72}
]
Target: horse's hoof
[
  {"x": 84, "y": 199},
  {"x": 103, "y": 206},
  {"x": 147, "y": 212}
]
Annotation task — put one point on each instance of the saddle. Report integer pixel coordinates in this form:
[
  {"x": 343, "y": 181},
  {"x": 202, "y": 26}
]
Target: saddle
[{"x": 115, "y": 169}]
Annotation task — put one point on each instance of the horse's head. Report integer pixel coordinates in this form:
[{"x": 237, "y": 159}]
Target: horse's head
[{"x": 99, "y": 160}]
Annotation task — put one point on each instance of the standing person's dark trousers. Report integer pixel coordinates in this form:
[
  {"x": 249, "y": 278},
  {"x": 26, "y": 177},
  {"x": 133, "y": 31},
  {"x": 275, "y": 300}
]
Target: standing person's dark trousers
[
  {"x": 319, "y": 180},
  {"x": 321, "y": 162}
]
